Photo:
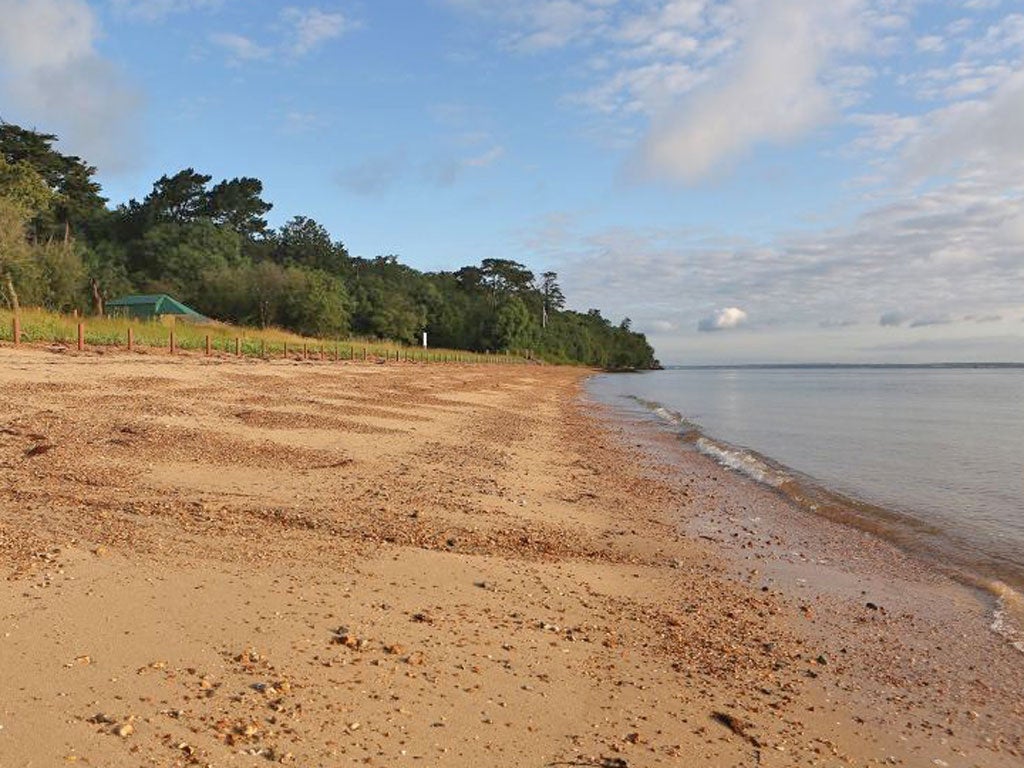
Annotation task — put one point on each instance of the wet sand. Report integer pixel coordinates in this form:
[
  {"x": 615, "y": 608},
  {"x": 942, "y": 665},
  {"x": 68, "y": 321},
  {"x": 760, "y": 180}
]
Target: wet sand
[{"x": 240, "y": 563}]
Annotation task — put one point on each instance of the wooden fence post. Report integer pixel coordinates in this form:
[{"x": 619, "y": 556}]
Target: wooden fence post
[
  {"x": 81, "y": 336},
  {"x": 209, "y": 348},
  {"x": 304, "y": 350},
  {"x": 131, "y": 338},
  {"x": 286, "y": 350},
  {"x": 171, "y": 342},
  {"x": 364, "y": 354},
  {"x": 238, "y": 347}
]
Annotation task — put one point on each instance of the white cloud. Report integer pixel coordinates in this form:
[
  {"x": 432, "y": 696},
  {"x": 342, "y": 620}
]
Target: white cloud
[
  {"x": 1005, "y": 35},
  {"x": 963, "y": 79},
  {"x": 885, "y": 132},
  {"x": 240, "y": 48},
  {"x": 939, "y": 232},
  {"x": 772, "y": 92},
  {"x": 704, "y": 81},
  {"x": 485, "y": 159},
  {"x": 931, "y": 44},
  {"x": 155, "y": 10},
  {"x": 539, "y": 25},
  {"x": 53, "y": 76},
  {"x": 556, "y": 22},
  {"x": 297, "y": 121},
  {"x": 693, "y": 85},
  {"x": 301, "y": 32},
  {"x": 723, "y": 320},
  {"x": 312, "y": 27},
  {"x": 641, "y": 89},
  {"x": 982, "y": 135},
  {"x": 952, "y": 251}
]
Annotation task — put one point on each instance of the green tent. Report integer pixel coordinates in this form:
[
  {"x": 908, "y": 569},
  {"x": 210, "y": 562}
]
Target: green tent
[{"x": 152, "y": 306}]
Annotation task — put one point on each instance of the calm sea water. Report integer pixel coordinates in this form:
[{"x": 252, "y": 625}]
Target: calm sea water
[{"x": 941, "y": 447}]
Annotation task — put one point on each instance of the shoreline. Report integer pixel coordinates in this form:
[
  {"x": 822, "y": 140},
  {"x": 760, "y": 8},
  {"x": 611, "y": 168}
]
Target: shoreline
[
  {"x": 449, "y": 566},
  {"x": 844, "y": 566},
  {"x": 1002, "y": 582},
  {"x": 820, "y": 505}
]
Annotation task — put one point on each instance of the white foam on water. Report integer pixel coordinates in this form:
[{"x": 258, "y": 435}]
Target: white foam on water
[
  {"x": 743, "y": 462},
  {"x": 1008, "y": 614},
  {"x": 666, "y": 415}
]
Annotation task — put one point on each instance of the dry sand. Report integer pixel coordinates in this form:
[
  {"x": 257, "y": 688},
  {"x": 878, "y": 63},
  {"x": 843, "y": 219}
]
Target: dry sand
[{"x": 231, "y": 563}]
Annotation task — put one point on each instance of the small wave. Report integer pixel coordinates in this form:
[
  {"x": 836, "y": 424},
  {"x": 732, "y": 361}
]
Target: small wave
[
  {"x": 672, "y": 417},
  {"x": 743, "y": 462},
  {"x": 659, "y": 410},
  {"x": 1008, "y": 616},
  {"x": 903, "y": 530},
  {"x": 666, "y": 415}
]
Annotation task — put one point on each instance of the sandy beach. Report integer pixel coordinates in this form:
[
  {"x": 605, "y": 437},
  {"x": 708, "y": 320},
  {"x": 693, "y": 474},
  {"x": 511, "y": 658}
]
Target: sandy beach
[{"x": 240, "y": 563}]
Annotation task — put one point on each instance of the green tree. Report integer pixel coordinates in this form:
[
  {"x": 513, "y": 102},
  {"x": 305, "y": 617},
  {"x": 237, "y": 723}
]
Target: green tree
[
  {"x": 106, "y": 272},
  {"x": 180, "y": 199},
  {"x": 23, "y": 194},
  {"x": 61, "y": 247},
  {"x": 503, "y": 277},
  {"x": 316, "y": 303},
  {"x": 306, "y": 243},
  {"x": 267, "y": 283},
  {"x": 172, "y": 257},
  {"x": 75, "y": 199},
  {"x": 513, "y": 327},
  {"x": 225, "y": 293},
  {"x": 237, "y": 204},
  {"x": 552, "y": 298},
  {"x": 59, "y": 276}
]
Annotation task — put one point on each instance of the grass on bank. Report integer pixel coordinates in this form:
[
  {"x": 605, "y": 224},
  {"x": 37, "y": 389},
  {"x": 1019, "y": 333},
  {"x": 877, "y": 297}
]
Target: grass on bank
[{"x": 39, "y": 326}]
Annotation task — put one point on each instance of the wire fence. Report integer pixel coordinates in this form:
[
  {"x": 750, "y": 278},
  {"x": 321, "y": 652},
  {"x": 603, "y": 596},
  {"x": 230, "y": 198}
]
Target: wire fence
[{"x": 41, "y": 327}]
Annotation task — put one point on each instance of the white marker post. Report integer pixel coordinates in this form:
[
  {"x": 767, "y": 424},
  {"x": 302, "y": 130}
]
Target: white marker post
[{"x": 424, "y": 339}]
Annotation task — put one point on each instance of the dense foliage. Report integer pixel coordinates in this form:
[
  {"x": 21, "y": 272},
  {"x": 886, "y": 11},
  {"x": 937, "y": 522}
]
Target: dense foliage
[{"x": 208, "y": 244}]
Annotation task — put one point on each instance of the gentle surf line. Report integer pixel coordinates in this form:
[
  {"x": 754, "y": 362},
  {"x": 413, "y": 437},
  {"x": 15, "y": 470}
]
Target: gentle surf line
[{"x": 904, "y": 531}]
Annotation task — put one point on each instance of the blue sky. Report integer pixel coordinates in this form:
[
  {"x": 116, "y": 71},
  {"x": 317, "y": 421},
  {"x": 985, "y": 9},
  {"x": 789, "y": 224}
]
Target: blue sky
[{"x": 748, "y": 180}]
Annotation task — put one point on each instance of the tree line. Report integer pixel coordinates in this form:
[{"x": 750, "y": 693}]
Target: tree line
[{"x": 209, "y": 245}]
